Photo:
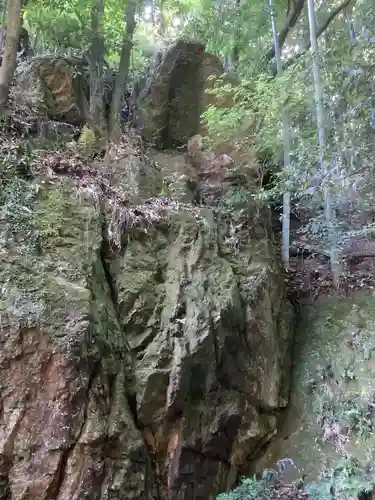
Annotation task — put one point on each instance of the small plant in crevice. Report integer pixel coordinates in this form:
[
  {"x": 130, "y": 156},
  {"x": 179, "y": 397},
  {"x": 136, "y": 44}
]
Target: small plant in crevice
[
  {"x": 367, "y": 352},
  {"x": 325, "y": 373},
  {"x": 236, "y": 198},
  {"x": 349, "y": 373},
  {"x": 311, "y": 385},
  {"x": 357, "y": 416},
  {"x": 324, "y": 409},
  {"x": 336, "y": 433},
  {"x": 339, "y": 420},
  {"x": 269, "y": 485},
  {"x": 249, "y": 489}
]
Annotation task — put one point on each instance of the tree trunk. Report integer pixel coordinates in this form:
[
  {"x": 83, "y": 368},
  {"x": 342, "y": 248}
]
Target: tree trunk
[
  {"x": 329, "y": 213},
  {"x": 12, "y": 40},
  {"x": 122, "y": 75},
  {"x": 96, "y": 65},
  {"x": 2, "y": 29},
  {"x": 286, "y": 147},
  {"x": 162, "y": 20}
]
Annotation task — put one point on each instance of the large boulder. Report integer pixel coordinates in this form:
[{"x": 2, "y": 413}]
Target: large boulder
[
  {"x": 146, "y": 347},
  {"x": 170, "y": 108},
  {"x": 54, "y": 87}
]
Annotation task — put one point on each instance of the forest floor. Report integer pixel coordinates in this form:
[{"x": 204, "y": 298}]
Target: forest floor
[{"x": 311, "y": 276}]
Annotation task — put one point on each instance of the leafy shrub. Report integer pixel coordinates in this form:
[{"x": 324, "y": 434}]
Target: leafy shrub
[{"x": 251, "y": 488}]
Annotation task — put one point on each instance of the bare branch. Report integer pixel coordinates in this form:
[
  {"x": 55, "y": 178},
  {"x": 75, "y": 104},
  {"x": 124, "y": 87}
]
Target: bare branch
[
  {"x": 319, "y": 32},
  {"x": 292, "y": 18}
]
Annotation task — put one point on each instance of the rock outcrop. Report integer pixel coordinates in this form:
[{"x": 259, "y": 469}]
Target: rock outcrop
[
  {"x": 171, "y": 107},
  {"x": 54, "y": 87},
  {"x": 144, "y": 348}
]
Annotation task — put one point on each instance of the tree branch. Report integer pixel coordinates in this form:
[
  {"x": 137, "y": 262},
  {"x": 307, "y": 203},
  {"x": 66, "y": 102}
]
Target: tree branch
[
  {"x": 292, "y": 18},
  {"x": 319, "y": 32}
]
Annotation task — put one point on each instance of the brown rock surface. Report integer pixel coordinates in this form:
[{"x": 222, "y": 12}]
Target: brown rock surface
[
  {"x": 148, "y": 370},
  {"x": 171, "y": 109}
]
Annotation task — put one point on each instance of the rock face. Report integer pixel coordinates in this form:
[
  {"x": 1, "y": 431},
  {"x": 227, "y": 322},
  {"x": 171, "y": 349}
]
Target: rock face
[
  {"x": 66, "y": 428},
  {"x": 170, "y": 110},
  {"x": 53, "y": 86},
  {"x": 151, "y": 369}
]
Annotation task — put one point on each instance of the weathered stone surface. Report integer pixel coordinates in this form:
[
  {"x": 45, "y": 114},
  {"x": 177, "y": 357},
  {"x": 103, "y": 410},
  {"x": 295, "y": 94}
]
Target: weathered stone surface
[
  {"x": 148, "y": 370},
  {"x": 52, "y": 86},
  {"x": 170, "y": 112},
  {"x": 203, "y": 307},
  {"x": 66, "y": 428}
]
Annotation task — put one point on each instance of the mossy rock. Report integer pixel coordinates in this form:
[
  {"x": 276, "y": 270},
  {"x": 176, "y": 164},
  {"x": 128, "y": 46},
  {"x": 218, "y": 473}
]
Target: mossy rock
[{"x": 55, "y": 87}]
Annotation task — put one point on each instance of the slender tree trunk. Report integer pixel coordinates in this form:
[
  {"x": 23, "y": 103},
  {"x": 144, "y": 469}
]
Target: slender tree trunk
[
  {"x": 96, "y": 64},
  {"x": 3, "y": 23},
  {"x": 123, "y": 72},
  {"x": 153, "y": 13},
  {"x": 12, "y": 40},
  {"x": 329, "y": 213},
  {"x": 162, "y": 21},
  {"x": 235, "y": 53},
  {"x": 286, "y": 146}
]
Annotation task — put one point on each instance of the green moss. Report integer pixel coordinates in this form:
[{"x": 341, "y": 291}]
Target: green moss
[
  {"x": 105, "y": 333},
  {"x": 48, "y": 98},
  {"x": 52, "y": 213},
  {"x": 55, "y": 210},
  {"x": 61, "y": 220}
]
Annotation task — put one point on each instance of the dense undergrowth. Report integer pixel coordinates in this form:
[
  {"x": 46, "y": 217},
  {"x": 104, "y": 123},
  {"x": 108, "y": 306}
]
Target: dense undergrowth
[{"x": 347, "y": 480}]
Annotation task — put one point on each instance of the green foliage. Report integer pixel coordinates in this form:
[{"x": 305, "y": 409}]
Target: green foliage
[
  {"x": 251, "y": 488},
  {"x": 356, "y": 415},
  {"x": 347, "y": 478},
  {"x": 350, "y": 414},
  {"x": 261, "y": 99},
  {"x": 256, "y": 114},
  {"x": 226, "y": 27},
  {"x": 237, "y": 198},
  {"x": 64, "y": 27},
  {"x": 54, "y": 28}
]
